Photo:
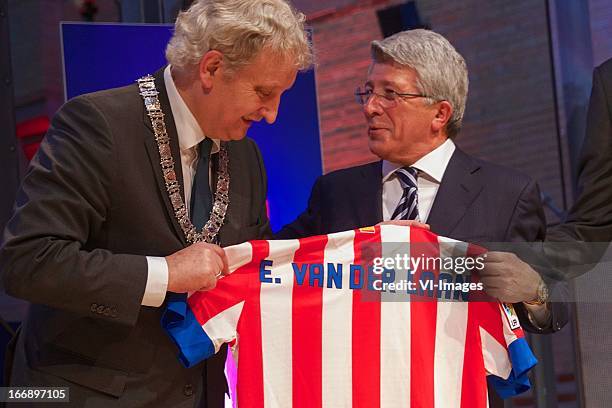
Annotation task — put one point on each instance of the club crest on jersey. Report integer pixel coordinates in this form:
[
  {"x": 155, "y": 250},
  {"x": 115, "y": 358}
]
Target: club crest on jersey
[{"x": 369, "y": 230}]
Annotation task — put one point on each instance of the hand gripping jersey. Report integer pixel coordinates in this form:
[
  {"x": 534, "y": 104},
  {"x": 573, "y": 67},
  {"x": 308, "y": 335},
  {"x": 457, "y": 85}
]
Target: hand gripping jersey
[{"x": 309, "y": 325}]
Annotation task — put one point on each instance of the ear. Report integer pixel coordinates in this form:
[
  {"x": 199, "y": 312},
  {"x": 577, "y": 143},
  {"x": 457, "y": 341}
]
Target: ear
[
  {"x": 210, "y": 67},
  {"x": 444, "y": 111}
]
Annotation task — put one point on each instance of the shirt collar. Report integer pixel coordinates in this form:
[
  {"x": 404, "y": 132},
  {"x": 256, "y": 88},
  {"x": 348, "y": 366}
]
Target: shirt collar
[
  {"x": 432, "y": 164},
  {"x": 189, "y": 132}
]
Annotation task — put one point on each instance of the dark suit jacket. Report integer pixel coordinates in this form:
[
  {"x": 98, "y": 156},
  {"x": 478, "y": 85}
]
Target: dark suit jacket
[
  {"x": 92, "y": 206},
  {"x": 477, "y": 202},
  {"x": 590, "y": 218},
  {"x": 577, "y": 245}
]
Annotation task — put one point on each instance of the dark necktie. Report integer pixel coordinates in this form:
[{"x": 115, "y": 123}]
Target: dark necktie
[
  {"x": 201, "y": 197},
  {"x": 407, "y": 208}
]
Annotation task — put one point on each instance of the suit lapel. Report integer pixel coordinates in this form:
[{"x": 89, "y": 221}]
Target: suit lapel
[
  {"x": 369, "y": 211},
  {"x": 459, "y": 188},
  {"x": 235, "y": 216},
  {"x": 152, "y": 150}
]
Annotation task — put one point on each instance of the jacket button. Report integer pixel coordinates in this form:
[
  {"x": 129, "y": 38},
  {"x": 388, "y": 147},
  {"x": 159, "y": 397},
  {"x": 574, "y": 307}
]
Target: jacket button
[{"x": 188, "y": 390}]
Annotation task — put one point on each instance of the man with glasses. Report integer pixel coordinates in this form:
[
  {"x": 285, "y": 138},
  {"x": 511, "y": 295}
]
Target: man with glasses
[{"x": 413, "y": 101}]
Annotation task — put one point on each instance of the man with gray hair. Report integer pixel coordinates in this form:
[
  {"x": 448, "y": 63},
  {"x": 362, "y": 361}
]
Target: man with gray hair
[
  {"x": 413, "y": 101},
  {"x": 129, "y": 200}
]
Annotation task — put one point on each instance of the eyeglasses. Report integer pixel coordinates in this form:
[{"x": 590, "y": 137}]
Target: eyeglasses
[{"x": 388, "y": 99}]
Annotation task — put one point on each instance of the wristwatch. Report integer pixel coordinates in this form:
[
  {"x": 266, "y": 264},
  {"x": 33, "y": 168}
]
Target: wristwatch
[{"x": 542, "y": 295}]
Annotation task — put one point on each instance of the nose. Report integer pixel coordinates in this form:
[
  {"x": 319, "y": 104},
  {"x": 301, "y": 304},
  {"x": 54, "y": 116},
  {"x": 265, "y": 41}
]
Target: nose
[
  {"x": 270, "y": 110},
  {"x": 270, "y": 116},
  {"x": 371, "y": 107}
]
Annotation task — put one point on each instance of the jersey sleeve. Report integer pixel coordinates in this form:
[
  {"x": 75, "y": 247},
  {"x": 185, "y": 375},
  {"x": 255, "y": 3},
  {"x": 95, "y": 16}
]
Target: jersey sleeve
[
  {"x": 200, "y": 322},
  {"x": 507, "y": 355}
]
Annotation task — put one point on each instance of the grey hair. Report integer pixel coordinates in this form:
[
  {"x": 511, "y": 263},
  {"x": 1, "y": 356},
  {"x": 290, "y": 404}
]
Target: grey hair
[
  {"x": 239, "y": 29},
  {"x": 441, "y": 70}
]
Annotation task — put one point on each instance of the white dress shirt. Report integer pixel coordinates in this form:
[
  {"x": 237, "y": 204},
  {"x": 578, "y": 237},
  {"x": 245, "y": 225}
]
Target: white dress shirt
[
  {"x": 431, "y": 170},
  {"x": 189, "y": 136}
]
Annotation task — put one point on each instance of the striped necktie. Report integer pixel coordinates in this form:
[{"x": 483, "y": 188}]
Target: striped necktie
[
  {"x": 201, "y": 197},
  {"x": 407, "y": 208}
]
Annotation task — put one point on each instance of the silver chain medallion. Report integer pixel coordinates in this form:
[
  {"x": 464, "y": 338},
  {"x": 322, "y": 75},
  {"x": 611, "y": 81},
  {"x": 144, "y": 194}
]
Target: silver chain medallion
[{"x": 209, "y": 233}]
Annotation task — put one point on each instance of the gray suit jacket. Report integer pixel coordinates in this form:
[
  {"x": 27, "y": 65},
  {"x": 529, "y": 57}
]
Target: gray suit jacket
[
  {"x": 477, "y": 202},
  {"x": 92, "y": 206}
]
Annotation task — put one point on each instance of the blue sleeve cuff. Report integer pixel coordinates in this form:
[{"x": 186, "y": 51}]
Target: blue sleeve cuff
[
  {"x": 185, "y": 331},
  {"x": 522, "y": 360}
]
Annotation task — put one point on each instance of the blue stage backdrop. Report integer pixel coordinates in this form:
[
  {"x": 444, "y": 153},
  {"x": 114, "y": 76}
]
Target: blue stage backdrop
[{"x": 102, "y": 56}]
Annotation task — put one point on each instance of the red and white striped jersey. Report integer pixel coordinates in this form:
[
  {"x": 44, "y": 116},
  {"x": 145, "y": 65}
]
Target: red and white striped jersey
[{"x": 307, "y": 328}]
